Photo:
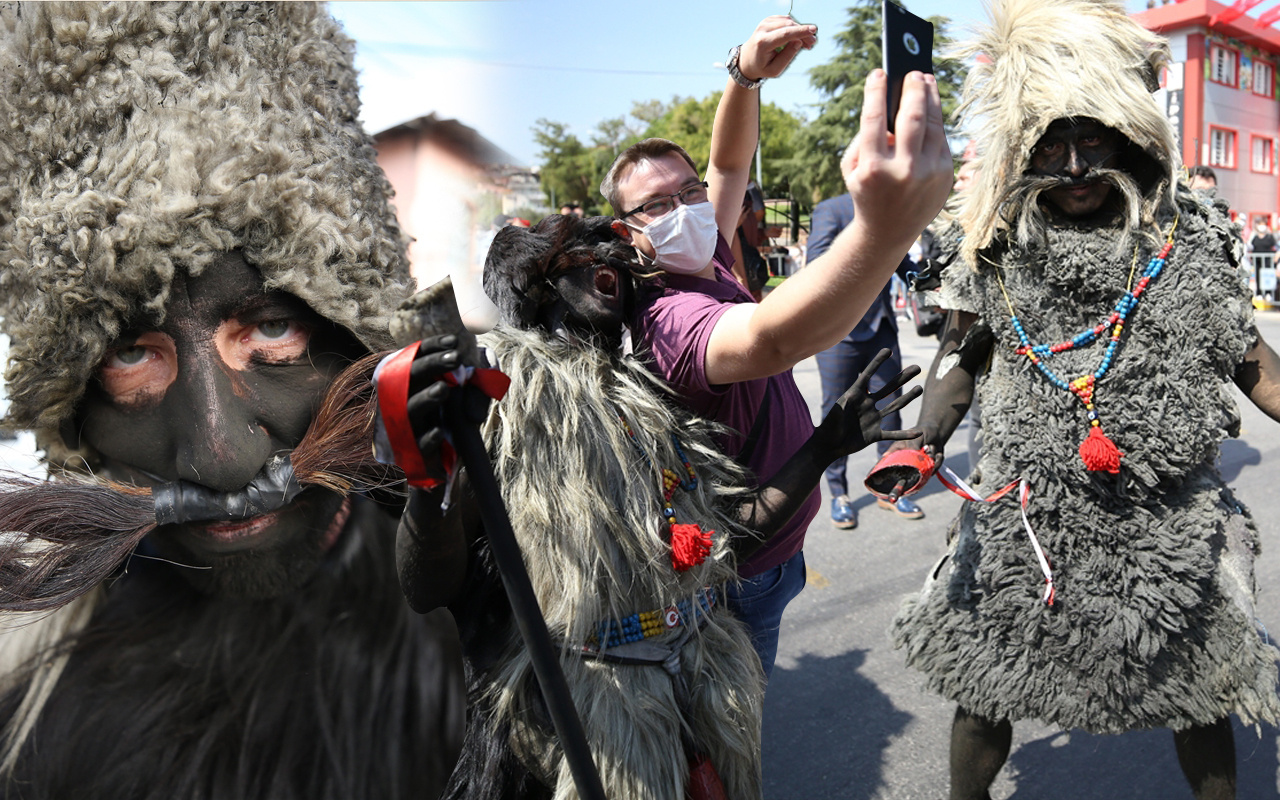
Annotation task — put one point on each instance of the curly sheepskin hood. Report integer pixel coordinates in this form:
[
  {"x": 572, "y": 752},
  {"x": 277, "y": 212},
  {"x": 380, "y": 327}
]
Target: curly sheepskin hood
[
  {"x": 1043, "y": 60},
  {"x": 141, "y": 139}
]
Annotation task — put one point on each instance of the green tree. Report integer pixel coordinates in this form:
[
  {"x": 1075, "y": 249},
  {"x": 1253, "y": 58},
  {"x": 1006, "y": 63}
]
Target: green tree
[
  {"x": 571, "y": 171},
  {"x": 614, "y": 135},
  {"x": 815, "y": 170},
  {"x": 779, "y": 130},
  {"x": 688, "y": 123},
  {"x": 650, "y": 110}
]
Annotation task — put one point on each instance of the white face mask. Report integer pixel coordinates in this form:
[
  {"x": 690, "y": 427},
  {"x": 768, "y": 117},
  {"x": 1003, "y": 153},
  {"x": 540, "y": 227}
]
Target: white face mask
[{"x": 684, "y": 239}]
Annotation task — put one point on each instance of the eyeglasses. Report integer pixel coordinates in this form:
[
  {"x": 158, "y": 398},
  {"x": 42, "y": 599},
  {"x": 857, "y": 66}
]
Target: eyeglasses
[{"x": 658, "y": 206}]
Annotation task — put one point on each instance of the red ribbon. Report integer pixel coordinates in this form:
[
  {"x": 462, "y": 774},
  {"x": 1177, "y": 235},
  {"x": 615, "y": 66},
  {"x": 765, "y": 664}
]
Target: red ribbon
[
  {"x": 945, "y": 479},
  {"x": 393, "y": 403}
]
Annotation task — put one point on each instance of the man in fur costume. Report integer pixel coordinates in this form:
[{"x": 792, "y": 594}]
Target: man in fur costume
[
  {"x": 1105, "y": 302},
  {"x": 605, "y": 477},
  {"x": 195, "y": 239}
]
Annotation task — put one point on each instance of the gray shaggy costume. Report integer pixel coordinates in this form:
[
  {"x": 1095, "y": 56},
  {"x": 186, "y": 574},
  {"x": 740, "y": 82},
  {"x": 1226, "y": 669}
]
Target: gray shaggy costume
[
  {"x": 585, "y": 502},
  {"x": 140, "y": 140},
  {"x": 1153, "y": 624}
]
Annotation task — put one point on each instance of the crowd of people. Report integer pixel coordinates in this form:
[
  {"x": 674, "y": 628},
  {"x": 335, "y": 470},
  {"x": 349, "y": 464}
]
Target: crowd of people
[{"x": 222, "y": 593}]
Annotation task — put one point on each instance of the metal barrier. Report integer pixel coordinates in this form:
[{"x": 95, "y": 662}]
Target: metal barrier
[
  {"x": 1262, "y": 275},
  {"x": 779, "y": 264}
]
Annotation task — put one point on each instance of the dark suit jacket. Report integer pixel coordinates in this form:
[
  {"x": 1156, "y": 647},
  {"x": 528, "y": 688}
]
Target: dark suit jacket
[{"x": 829, "y": 218}]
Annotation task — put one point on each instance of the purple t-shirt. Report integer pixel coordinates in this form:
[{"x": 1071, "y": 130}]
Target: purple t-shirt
[{"x": 674, "y": 320}]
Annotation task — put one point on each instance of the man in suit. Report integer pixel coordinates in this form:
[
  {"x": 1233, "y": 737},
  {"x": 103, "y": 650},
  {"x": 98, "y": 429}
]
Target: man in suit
[{"x": 840, "y": 365}]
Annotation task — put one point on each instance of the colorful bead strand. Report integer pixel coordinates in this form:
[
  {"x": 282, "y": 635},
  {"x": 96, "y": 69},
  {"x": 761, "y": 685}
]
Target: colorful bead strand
[
  {"x": 690, "y": 545},
  {"x": 1098, "y": 452}
]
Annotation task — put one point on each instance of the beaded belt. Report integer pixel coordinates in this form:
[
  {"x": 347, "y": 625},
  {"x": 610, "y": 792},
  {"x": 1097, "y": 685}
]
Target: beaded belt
[{"x": 646, "y": 624}]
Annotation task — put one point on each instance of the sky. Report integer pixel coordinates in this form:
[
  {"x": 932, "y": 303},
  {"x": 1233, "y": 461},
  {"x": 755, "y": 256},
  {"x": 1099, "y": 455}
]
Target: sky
[{"x": 500, "y": 65}]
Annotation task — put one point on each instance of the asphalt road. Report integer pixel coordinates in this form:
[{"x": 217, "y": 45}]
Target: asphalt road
[{"x": 844, "y": 718}]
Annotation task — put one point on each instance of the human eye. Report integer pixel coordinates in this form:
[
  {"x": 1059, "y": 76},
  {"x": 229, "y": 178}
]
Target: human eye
[
  {"x": 126, "y": 357},
  {"x": 135, "y": 371},
  {"x": 657, "y": 208},
  {"x": 274, "y": 340},
  {"x": 274, "y": 330},
  {"x": 694, "y": 194}
]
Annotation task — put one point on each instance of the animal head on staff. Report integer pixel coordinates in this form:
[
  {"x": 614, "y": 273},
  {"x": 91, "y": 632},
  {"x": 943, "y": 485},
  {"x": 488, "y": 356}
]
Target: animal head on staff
[{"x": 566, "y": 274}]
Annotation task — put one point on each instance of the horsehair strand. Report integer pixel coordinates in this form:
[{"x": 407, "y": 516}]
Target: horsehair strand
[
  {"x": 337, "y": 451},
  {"x": 46, "y": 558}
]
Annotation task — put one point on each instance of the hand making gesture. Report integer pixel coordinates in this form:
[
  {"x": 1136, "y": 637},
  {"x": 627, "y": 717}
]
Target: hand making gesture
[{"x": 773, "y": 45}]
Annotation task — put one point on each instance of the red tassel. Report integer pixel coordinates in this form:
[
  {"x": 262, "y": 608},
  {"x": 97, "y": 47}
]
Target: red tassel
[
  {"x": 704, "y": 781},
  {"x": 690, "y": 546},
  {"x": 1099, "y": 453}
]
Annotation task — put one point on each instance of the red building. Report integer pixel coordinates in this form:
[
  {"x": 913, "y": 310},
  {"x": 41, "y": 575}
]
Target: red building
[{"x": 1220, "y": 94}]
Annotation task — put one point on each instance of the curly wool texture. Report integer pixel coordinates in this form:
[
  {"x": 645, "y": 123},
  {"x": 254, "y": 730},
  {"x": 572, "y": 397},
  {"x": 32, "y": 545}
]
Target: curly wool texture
[
  {"x": 586, "y": 503},
  {"x": 145, "y": 138},
  {"x": 1153, "y": 624},
  {"x": 1043, "y": 60}
]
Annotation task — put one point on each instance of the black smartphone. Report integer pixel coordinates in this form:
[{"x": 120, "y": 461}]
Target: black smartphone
[{"x": 907, "y": 43}]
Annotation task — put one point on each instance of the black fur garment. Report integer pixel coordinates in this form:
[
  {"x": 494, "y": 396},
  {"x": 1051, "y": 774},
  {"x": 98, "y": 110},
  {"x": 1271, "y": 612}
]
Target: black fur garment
[
  {"x": 336, "y": 692},
  {"x": 1153, "y": 624}
]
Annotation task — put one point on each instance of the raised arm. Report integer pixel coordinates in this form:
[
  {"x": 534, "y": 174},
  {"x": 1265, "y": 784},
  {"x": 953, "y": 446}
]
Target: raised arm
[
  {"x": 1258, "y": 376},
  {"x": 898, "y": 184},
  {"x": 851, "y": 424},
  {"x": 766, "y": 54}
]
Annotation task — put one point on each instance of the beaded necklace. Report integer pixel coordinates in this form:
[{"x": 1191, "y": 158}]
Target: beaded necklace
[
  {"x": 1097, "y": 451},
  {"x": 690, "y": 545}
]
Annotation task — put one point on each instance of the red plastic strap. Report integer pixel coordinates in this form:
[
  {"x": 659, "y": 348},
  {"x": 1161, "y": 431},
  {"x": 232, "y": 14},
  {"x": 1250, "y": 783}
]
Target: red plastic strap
[
  {"x": 393, "y": 402},
  {"x": 493, "y": 382},
  {"x": 947, "y": 482},
  {"x": 952, "y": 482}
]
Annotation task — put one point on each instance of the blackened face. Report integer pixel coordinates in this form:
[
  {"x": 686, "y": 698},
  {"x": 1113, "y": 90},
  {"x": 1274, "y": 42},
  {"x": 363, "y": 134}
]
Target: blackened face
[
  {"x": 232, "y": 376},
  {"x": 1069, "y": 149}
]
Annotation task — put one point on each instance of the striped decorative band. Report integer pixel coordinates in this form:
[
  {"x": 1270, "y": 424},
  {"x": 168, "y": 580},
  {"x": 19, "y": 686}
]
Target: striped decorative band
[{"x": 637, "y": 627}]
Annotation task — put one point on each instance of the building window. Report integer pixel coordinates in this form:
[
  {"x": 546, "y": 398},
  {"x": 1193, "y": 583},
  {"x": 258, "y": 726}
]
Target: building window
[
  {"x": 1223, "y": 63},
  {"x": 1260, "y": 157},
  {"x": 1263, "y": 78},
  {"x": 1222, "y": 147}
]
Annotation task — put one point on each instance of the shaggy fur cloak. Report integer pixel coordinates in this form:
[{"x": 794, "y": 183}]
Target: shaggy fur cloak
[
  {"x": 1153, "y": 625},
  {"x": 143, "y": 138},
  {"x": 586, "y": 502},
  {"x": 335, "y": 692}
]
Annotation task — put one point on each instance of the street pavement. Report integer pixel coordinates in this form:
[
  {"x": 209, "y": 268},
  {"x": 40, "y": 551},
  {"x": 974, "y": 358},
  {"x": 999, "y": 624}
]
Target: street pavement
[{"x": 844, "y": 718}]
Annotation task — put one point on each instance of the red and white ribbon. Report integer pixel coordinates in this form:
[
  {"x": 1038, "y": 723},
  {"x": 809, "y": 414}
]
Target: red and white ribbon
[
  {"x": 954, "y": 483},
  {"x": 392, "y": 381}
]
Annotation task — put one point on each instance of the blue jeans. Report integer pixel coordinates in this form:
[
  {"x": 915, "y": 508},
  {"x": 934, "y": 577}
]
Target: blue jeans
[{"x": 759, "y": 602}]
